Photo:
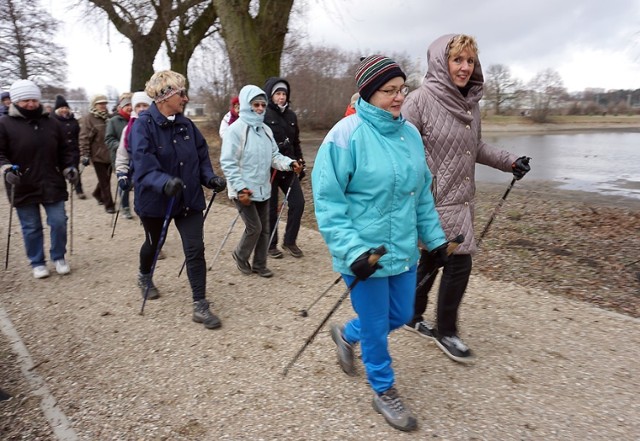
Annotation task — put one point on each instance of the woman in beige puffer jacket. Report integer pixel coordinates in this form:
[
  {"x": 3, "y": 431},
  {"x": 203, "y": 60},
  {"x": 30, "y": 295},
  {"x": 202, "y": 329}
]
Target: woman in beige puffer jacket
[{"x": 446, "y": 111}]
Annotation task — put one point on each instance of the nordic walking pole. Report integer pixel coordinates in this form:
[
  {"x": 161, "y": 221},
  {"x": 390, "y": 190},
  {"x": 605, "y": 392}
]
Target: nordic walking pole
[
  {"x": 305, "y": 312},
  {"x": 373, "y": 259},
  {"x": 115, "y": 203},
  {"x": 498, "y": 207},
  {"x": 163, "y": 235},
  {"x": 284, "y": 204},
  {"x": 451, "y": 247},
  {"x": 13, "y": 196},
  {"x": 114, "y": 217},
  {"x": 206, "y": 212},
  {"x": 71, "y": 190},
  {"x": 224, "y": 240}
]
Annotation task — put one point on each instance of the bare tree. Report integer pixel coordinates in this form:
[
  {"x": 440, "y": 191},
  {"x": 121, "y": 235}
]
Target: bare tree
[
  {"x": 545, "y": 92},
  {"x": 187, "y": 32},
  {"x": 27, "y": 50},
  {"x": 500, "y": 87},
  {"x": 145, "y": 23}
]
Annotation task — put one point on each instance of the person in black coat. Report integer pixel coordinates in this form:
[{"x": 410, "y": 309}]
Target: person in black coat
[
  {"x": 34, "y": 161},
  {"x": 71, "y": 128},
  {"x": 284, "y": 124}
]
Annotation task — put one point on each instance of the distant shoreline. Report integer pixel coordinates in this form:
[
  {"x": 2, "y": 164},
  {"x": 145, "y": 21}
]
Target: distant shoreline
[{"x": 560, "y": 127}]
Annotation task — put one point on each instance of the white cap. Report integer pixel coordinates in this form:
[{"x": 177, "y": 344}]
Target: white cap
[{"x": 24, "y": 90}]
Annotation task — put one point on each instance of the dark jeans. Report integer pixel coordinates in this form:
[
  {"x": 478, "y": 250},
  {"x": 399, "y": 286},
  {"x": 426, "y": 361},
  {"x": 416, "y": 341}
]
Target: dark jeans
[
  {"x": 102, "y": 193},
  {"x": 255, "y": 237},
  {"x": 191, "y": 232},
  {"x": 453, "y": 284},
  {"x": 295, "y": 206}
]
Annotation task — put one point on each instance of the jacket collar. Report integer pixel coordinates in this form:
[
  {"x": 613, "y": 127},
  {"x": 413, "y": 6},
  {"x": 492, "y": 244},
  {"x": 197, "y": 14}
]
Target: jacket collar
[{"x": 382, "y": 120}]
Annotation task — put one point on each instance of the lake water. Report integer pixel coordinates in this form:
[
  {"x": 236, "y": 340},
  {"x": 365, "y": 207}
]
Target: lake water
[{"x": 606, "y": 162}]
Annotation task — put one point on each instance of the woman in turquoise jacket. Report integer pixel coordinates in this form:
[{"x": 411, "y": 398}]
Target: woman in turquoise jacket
[{"x": 371, "y": 187}]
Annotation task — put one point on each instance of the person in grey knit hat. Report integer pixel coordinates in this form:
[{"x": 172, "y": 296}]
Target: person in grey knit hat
[{"x": 35, "y": 160}]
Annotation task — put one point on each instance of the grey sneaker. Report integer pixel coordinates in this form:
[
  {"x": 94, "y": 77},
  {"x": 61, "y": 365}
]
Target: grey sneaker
[
  {"x": 263, "y": 272},
  {"x": 127, "y": 212},
  {"x": 275, "y": 253},
  {"x": 344, "y": 350},
  {"x": 243, "y": 265},
  {"x": 422, "y": 328},
  {"x": 455, "y": 349},
  {"x": 389, "y": 404},
  {"x": 293, "y": 250},
  {"x": 202, "y": 314},
  {"x": 143, "y": 280}
]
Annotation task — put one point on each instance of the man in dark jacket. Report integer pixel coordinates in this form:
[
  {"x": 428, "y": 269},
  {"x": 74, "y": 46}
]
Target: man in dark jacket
[
  {"x": 284, "y": 125},
  {"x": 34, "y": 161},
  {"x": 5, "y": 101},
  {"x": 71, "y": 128}
]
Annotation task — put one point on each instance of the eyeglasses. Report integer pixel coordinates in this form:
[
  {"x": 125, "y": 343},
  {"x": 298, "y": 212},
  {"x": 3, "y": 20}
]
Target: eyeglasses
[
  {"x": 404, "y": 90},
  {"x": 183, "y": 93},
  {"x": 258, "y": 104}
]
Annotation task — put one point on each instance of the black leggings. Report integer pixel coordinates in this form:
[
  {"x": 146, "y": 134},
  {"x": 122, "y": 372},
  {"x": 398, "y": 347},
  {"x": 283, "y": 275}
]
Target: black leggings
[
  {"x": 453, "y": 284},
  {"x": 190, "y": 228},
  {"x": 295, "y": 207}
]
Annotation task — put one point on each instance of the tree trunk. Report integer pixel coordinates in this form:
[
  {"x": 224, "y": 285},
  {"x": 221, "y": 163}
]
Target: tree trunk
[
  {"x": 144, "y": 53},
  {"x": 254, "y": 45}
]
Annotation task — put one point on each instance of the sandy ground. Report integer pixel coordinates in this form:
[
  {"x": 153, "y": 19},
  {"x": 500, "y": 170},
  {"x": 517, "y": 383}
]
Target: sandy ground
[{"x": 547, "y": 367}]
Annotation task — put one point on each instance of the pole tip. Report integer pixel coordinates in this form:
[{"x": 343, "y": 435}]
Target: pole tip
[{"x": 304, "y": 313}]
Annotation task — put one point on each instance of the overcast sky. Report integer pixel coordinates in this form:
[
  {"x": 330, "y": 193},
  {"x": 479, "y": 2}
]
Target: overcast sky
[{"x": 591, "y": 43}]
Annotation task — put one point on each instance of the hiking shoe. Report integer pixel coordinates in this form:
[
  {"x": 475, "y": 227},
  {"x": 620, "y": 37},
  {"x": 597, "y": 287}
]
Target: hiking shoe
[
  {"x": 263, "y": 272},
  {"x": 454, "y": 348},
  {"x": 40, "y": 272},
  {"x": 127, "y": 213},
  {"x": 143, "y": 280},
  {"x": 344, "y": 350},
  {"x": 293, "y": 250},
  {"x": 62, "y": 267},
  {"x": 275, "y": 253},
  {"x": 389, "y": 404},
  {"x": 110, "y": 210},
  {"x": 81, "y": 196},
  {"x": 243, "y": 265},
  {"x": 202, "y": 314},
  {"x": 422, "y": 328}
]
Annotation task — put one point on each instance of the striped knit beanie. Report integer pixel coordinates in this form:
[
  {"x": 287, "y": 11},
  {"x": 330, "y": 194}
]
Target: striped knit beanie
[{"x": 374, "y": 71}]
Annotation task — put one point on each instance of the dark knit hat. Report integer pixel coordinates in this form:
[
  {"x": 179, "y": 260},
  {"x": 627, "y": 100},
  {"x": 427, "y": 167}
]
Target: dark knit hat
[
  {"x": 60, "y": 102},
  {"x": 373, "y": 71}
]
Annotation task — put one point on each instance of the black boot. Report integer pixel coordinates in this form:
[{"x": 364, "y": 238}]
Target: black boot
[{"x": 143, "y": 280}]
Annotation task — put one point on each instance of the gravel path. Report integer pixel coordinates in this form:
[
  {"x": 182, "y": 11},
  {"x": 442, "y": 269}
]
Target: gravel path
[{"x": 548, "y": 367}]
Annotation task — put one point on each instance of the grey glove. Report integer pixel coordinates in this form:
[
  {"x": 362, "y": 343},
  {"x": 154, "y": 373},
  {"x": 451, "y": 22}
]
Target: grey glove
[
  {"x": 71, "y": 174},
  {"x": 12, "y": 175}
]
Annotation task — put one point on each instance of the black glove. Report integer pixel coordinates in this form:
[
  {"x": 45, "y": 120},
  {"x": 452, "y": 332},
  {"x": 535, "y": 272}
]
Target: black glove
[
  {"x": 85, "y": 160},
  {"x": 520, "y": 167},
  {"x": 123, "y": 181},
  {"x": 173, "y": 186},
  {"x": 71, "y": 174},
  {"x": 217, "y": 184},
  {"x": 12, "y": 175},
  {"x": 301, "y": 175},
  {"x": 361, "y": 268},
  {"x": 440, "y": 255}
]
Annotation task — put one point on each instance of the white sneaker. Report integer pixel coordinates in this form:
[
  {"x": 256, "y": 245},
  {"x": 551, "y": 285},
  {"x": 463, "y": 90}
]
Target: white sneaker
[
  {"x": 62, "y": 267},
  {"x": 40, "y": 272}
]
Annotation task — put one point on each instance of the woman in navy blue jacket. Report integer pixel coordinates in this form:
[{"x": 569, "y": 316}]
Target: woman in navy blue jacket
[{"x": 171, "y": 160}]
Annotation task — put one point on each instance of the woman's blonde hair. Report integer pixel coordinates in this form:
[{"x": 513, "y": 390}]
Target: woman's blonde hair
[
  {"x": 164, "y": 84},
  {"x": 460, "y": 43}
]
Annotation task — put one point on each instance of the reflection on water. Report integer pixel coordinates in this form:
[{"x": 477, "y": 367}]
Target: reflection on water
[{"x": 606, "y": 162}]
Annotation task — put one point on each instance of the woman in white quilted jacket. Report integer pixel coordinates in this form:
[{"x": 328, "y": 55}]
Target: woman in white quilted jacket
[{"x": 446, "y": 111}]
